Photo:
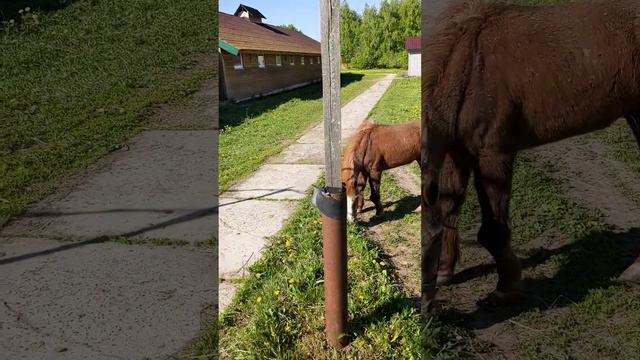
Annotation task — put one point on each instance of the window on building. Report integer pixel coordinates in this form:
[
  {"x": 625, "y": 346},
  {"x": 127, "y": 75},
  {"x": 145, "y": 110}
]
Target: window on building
[
  {"x": 237, "y": 62},
  {"x": 311, "y": 60},
  {"x": 278, "y": 60},
  {"x": 292, "y": 60},
  {"x": 261, "y": 61},
  {"x": 318, "y": 58},
  {"x": 301, "y": 60}
]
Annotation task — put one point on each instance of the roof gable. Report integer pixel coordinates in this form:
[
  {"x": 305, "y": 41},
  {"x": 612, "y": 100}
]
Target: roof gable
[{"x": 253, "y": 13}]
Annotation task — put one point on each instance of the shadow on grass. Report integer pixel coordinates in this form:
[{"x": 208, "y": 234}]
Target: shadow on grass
[
  {"x": 235, "y": 114},
  {"x": 404, "y": 207},
  {"x": 9, "y": 8},
  {"x": 591, "y": 262}
]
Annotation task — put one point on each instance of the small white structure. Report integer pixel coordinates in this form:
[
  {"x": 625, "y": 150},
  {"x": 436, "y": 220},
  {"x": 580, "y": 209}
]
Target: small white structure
[{"x": 412, "y": 45}]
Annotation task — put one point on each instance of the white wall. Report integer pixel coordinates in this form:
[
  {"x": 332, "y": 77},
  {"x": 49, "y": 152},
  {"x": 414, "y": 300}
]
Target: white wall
[{"x": 415, "y": 57}]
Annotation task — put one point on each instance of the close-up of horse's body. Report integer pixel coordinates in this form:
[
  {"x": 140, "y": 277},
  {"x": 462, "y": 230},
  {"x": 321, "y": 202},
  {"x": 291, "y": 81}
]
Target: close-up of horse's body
[{"x": 501, "y": 78}]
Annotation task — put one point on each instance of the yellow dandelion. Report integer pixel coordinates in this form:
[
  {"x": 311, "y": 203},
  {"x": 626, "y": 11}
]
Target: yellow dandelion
[
  {"x": 384, "y": 272},
  {"x": 259, "y": 299},
  {"x": 291, "y": 281},
  {"x": 374, "y": 261},
  {"x": 276, "y": 293},
  {"x": 361, "y": 297},
  {"x": 287, "y": 328},
  {"x": 382, "y": 263}
]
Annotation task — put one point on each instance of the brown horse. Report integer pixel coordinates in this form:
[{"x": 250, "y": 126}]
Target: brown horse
[
  {"x": 373, "y": 149},
  {"x": 497, "y": 79}
]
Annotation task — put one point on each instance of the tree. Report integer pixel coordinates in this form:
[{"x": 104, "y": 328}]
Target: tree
[
  {"x": 289, "y": 27},
  {"x": 376, "y": 39},
  {"x": 349, "y": 32}
]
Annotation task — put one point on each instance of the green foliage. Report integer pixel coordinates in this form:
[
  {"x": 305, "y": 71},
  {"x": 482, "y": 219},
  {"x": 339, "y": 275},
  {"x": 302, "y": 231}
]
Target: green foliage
[
  {"x": 376, "y": 38},
  {"x": 289, "y": 27}
]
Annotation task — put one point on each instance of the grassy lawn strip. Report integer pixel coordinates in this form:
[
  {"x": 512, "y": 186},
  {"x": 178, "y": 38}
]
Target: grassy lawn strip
[
  {"x": 75, "y": 83},
  {"x": 621, "y": 144},
  {"x": 252, "y": 132},
  {"x": 401, "y": 103},
  {"x": 278, "y": 313}
]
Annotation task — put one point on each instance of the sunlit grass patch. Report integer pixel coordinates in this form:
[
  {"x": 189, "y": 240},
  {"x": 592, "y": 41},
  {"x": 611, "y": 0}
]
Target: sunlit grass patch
[
  {"x": 76, "y": 84},
  {"x": 278, "y": 312}
]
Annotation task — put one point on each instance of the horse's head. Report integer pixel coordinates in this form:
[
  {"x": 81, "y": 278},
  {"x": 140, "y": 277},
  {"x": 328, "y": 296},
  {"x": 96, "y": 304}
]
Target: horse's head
[{"x": 354, "y": 190}]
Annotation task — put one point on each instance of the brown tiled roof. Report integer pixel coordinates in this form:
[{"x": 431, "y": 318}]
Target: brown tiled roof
[
  {"x": 246, "y": 35},
  {"x": 412, "y": 43}
]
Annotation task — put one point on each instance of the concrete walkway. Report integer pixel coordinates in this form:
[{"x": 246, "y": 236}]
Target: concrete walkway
[
  {"x": 286, "y": 176},
  {"x": 68, "y": 292}
]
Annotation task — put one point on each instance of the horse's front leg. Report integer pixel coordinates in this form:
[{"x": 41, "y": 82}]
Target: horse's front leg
[
  {"x": 374, "y": 181},
  {"x": 440, "y": 248},
  {"x": 454, "y": 180},
  {"x": 493, "y": 178}
]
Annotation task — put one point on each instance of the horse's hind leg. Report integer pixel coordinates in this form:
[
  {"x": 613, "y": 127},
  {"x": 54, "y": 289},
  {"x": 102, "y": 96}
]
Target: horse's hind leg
[
  {"x": 493, "y": 179},
  {"x": 631, "y": 275}
]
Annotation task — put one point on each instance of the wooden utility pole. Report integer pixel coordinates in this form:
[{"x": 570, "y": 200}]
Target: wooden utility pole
[
  {"x": 330, "y": 45},
  {"x": 332, "y": 199}
]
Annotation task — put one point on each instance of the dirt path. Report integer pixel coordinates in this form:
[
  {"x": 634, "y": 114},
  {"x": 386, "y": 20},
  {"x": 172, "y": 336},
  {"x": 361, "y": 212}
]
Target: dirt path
[{"x": 592, "y": 180}]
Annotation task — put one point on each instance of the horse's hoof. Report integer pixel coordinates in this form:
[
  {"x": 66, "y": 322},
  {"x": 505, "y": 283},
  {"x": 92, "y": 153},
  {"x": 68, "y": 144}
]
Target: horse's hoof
[
  {"x": 631, "y": 276},
  {"x": 501, "y": 298},
  {"x": 418, "y": 209},
  {"x": 444, "y": 278}
]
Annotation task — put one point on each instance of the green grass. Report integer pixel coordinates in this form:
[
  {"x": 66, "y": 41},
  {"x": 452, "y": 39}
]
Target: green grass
[
  {"x": 75, "y": 83},
  {"x": 278, "y": 313},
  {"x": 254, "y": 131},
  {"x": 400, "y": 104},
  {"x": 622, "y": 145},
  {"x": 372, "y": 71}
]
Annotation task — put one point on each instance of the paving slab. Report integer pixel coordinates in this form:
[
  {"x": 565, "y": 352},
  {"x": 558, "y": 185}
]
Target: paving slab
[
  {"x": 245, "y": 226},
  {"x": 277, "y": 182},
  {"x": 101, "y": 300},
  {"x": 162, "y": 186},
  {"x": 300, "y": 153},
  {"x": 226, "y": 291}
]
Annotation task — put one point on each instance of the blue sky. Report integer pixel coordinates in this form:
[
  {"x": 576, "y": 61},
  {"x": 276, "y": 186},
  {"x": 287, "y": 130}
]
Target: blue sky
[{"x": 304, "y": 14}]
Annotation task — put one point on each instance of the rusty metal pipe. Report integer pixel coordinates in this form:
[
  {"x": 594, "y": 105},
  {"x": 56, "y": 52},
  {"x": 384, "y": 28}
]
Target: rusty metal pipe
[{"x": 332, "y": 203}]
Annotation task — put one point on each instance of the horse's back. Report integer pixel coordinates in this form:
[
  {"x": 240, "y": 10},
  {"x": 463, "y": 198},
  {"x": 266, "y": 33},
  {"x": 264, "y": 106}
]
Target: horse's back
[{"x": 539, "y": 66}]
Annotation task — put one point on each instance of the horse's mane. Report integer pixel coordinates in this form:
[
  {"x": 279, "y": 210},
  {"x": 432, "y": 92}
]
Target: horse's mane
[
  {"x": 460, "y": 18},
  {"x": 354, "y": 150}
]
